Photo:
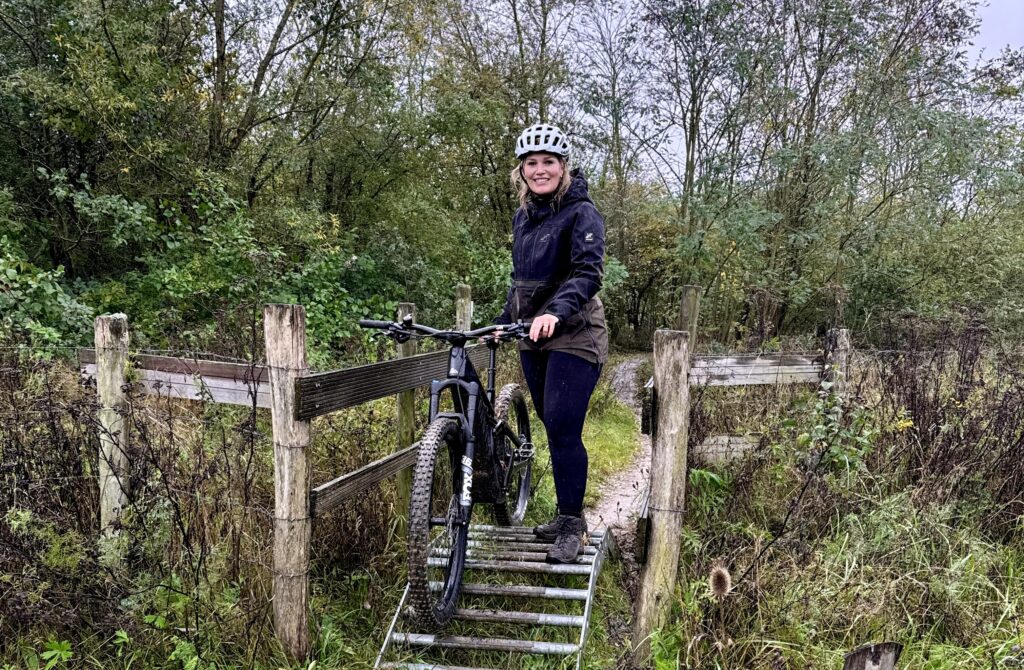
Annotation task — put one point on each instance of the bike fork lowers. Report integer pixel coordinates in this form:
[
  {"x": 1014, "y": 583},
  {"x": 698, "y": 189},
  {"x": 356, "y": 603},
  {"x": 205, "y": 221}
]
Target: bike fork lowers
[
  {"x": 466, "y": 496},
  {"x": 470, "y": 392}
]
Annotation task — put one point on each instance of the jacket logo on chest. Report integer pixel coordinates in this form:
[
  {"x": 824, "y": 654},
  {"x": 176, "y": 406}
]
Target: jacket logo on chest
[{"x": 589, "y": 237}]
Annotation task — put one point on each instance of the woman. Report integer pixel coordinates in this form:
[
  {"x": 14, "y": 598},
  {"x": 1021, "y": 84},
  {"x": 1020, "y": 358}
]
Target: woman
[{"x": 558, "y": 262}]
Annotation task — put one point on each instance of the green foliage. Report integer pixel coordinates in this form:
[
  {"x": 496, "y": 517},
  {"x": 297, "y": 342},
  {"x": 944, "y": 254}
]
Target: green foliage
[
  {"x": 60, "y": 550},
  {"x": 708, "y": 490},
  {"x": 34, "y": 304},
  {"x": 114, "y": 218},
  {"x": 56, "y": 653},
  {"x": 841, "y": 442}
]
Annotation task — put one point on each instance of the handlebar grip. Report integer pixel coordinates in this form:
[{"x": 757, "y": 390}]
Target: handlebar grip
[{"x": 370, "y": 323}]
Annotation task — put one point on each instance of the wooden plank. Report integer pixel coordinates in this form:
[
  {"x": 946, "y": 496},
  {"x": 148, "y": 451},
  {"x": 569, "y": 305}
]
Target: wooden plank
[
  {"x": 753, "y": 361},
  {"x": 329, "y": 496},
  {"x": 111, "y": 337},
  {"x": 668, "y": 477},
  {"x": 643, "y": 530},
  {"x": 187, "y": 387},
  {"x": 720, "y": 449},
  {"x": 220, "y": 369},
  {"x": 328, "y": 392},
  {"x": 284, "y": 328},
  {"x": 732, "y": 377},
  {"x": 743, "y": 370}
]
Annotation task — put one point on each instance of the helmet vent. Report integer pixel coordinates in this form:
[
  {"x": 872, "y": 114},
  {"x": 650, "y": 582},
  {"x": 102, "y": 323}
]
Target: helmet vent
[{"x": 542, "y": 137}]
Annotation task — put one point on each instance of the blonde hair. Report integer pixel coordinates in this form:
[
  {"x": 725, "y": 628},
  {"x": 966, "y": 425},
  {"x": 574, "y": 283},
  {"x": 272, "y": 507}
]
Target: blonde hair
[{"x": 523, "y": 191}]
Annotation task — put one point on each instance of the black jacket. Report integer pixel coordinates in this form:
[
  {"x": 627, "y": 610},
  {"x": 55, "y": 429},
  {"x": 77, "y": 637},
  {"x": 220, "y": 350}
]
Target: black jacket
[{"x": 557, "y": 267}]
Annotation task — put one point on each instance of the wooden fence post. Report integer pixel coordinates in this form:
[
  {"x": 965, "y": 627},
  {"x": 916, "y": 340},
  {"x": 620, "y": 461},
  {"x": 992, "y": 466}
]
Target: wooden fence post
[
  {"x": 837, "y": 361},
  {"x": 406, "y": 408},
  {"x": 284, "y": 328},
  {"x": 668, "y": 475},
  {"x": 111, "y": 339},
  {"x": 689, "y": 310},
  {"x": 463, "y": 307}
]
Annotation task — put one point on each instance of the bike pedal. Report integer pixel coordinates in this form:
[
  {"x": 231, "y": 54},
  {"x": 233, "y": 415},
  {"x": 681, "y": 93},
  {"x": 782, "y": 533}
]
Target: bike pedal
[{"x": 526, "y": 452}]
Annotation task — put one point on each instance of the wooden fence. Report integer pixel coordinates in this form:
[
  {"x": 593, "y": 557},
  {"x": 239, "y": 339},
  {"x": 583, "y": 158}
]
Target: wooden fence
[
  {"x": 666, "y": 415},
  {"x": 295, "y": 397}
]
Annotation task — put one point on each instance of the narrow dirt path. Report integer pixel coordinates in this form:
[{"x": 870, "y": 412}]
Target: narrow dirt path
[{"x": 621, "y": 496}]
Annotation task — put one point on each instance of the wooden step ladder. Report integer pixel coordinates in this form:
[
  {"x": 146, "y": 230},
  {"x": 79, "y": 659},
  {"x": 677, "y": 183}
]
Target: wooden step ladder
[{"x": 501, "y": 552}]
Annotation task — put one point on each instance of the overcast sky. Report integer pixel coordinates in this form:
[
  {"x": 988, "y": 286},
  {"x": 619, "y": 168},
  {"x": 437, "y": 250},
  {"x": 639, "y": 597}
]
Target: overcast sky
[{"x": 1002, "y": 23}]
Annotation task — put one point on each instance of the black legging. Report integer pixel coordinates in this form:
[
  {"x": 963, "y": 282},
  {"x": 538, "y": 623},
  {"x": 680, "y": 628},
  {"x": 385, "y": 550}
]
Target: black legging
[{"x": 561, "y": 385}]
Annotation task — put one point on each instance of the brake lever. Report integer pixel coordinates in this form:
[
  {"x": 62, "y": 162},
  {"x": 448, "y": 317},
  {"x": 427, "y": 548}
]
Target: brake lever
[{"x": 510, "y": 335}]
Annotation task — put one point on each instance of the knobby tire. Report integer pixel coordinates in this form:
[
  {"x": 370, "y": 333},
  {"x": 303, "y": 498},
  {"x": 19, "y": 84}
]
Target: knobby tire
[
  {"x": 437, "y": 482},
  {"x": 510, "y": 408}
]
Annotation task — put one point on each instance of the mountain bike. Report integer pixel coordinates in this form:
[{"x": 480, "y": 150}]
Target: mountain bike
[{"x": 479, "y": 452}]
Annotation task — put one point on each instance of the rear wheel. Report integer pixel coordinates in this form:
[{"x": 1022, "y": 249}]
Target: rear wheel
[
  {"x": 437, "y": 541},
  {"x": 510, "y": 409}
]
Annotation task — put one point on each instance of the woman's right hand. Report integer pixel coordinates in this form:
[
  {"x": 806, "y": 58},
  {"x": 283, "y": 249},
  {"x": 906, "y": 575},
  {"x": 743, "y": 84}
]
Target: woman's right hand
[{"x": 543, "y": 327}]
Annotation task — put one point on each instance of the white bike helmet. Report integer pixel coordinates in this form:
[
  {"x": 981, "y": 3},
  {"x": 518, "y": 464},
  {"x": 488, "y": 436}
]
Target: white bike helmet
[{"x": 542, "y": 137}]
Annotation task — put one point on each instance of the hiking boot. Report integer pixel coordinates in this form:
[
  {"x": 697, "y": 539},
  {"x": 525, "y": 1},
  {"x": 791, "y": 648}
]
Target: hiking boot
[
  {"x": 549, "y": 531},
  {"x": 569, "y": 541}
]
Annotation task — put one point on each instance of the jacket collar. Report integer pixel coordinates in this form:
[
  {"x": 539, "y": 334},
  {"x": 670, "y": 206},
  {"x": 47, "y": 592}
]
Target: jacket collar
[{"x": 579, "y": 191}]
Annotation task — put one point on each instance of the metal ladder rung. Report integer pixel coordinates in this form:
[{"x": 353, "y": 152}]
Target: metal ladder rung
[
  {"x": 520, "y": 538},
  {"x": 528, "y": 556},
  {"x": 538, "y": 618},
  {"x": 485, "y": 643},
  {"x": 498, "y": 545},
  {"x": 545, "y": 592},
  {"x": 518, "y": 530},
  {"x": 519, "y": 566},
  {"x": 425, "y": 666},
  {"x": 505, "y": 542}
]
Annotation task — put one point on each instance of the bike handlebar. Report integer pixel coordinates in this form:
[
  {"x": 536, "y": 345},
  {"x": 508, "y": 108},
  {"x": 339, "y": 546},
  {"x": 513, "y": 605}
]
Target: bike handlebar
[
  {"x": 370, "y": 323},
  {"x": 515, "y": 330}
]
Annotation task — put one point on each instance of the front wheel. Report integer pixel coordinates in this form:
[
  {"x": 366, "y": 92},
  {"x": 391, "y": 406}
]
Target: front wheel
[
  {"x": 437, "y": 538},
  {"x": 510, "y": 409}
]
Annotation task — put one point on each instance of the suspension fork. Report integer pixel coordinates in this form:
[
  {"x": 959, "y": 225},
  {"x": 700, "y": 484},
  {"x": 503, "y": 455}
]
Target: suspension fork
[{"x": 466, "y": 495}]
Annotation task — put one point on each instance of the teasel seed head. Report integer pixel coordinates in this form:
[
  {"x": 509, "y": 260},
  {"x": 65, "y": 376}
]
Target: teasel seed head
[{"x": 719, "y": 581}]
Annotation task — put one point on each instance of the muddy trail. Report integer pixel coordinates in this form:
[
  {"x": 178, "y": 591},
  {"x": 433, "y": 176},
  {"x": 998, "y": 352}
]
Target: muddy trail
[{"x": 621, "y": 496}]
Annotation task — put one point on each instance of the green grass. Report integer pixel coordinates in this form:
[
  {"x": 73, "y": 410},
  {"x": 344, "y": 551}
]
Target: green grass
[{"x": 612, "y": 439}]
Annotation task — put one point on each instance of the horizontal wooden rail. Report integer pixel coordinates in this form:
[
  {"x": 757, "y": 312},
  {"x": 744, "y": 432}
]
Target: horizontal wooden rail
[
  {"x": 238, "y": 371},
  {"x": 755, "y": 370},
  {"x": 188, "y": 379},
  {"x": 326, "y": 392},
  {"x": 328, "y": 496}
]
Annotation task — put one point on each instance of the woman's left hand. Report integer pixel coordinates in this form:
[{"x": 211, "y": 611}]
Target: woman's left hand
[{"x": 543, "y": 326}]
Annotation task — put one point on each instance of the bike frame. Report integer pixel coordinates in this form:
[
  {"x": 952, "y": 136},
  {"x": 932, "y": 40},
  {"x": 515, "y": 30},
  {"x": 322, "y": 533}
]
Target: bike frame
[{"x": 468, "y": 395}]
